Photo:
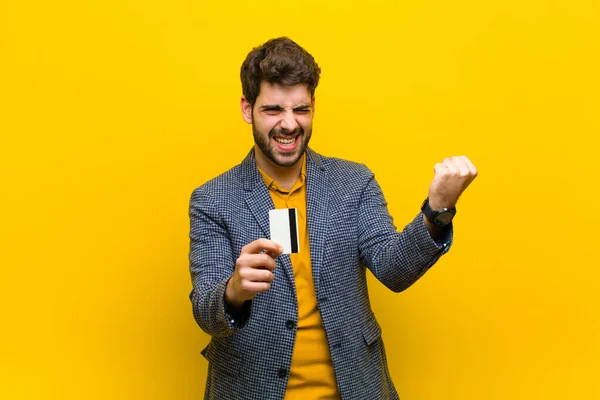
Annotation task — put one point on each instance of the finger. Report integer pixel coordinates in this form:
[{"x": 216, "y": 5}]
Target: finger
[
  {"x": 257, "y": 275},
  {"x": 256, "y": 287},
  {"x": 451, "y": 169},
  {"x": 462, "y": 167},
  {"x": 272, "y": 255},
  {"x": 262, "y": 260},
  {"x": 263, "y": 287},
  {"x": 472, "y": 167},
  {"x": 260, "y": 245},
  {"x": 439, "y": 169}
]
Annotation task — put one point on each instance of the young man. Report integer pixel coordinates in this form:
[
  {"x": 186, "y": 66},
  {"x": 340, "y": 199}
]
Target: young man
[{"x": 300, "y": 326}]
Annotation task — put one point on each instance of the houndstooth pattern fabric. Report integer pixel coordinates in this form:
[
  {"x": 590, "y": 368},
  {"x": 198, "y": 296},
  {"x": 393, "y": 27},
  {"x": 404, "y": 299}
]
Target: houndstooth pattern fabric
[{"x": 350, "y": 230}]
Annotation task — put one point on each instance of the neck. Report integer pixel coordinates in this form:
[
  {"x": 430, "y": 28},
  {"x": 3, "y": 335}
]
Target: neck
[{"x": 285, "y": 176}]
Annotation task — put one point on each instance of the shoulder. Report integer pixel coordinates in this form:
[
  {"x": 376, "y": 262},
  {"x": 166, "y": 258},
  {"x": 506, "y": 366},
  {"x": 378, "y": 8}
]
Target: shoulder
[
  {"x": 224, "y": 186},
  {"x": 345, "y": 170}
]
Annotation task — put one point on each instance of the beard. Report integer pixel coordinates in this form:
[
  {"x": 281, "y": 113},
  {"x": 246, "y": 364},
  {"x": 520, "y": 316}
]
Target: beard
[{"x": 270, "y": 151}]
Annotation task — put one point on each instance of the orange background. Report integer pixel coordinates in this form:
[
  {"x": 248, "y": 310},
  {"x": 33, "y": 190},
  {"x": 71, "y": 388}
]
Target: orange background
[{"x": 112, "y": 112}]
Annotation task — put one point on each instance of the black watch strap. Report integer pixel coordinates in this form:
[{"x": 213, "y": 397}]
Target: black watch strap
[{"x": 438, "y": 217}]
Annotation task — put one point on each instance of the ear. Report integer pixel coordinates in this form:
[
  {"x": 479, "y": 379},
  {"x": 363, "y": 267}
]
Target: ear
[
  {"x": 313, "y": 105},
  {"x": 246, "y": 110}
]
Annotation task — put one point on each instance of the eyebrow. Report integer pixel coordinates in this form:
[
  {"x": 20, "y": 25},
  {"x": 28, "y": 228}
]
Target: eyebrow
[{"x": 277, "y": 107}]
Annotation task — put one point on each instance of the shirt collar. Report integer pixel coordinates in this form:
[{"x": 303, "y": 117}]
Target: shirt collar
[{"x": 272, "y": 184}]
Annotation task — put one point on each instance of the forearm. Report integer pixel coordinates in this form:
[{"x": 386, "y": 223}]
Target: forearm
[
  {"x": 401, "y": 258},
  {"x": 434, "y": 231},
  {"x": 211, "y": 267},
  {"x": 213, "y": 314}
]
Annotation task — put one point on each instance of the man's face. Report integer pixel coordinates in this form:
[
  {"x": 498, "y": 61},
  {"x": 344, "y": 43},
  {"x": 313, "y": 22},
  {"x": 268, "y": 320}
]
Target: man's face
[{"x": 281, "y": 122}]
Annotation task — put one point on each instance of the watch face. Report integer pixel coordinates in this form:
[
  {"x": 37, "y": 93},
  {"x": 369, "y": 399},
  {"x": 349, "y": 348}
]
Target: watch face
[{"x": 444, "y": 218}]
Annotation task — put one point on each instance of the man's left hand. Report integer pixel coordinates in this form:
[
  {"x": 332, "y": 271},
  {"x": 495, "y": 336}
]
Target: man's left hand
[{"x": 452, "y": 177}]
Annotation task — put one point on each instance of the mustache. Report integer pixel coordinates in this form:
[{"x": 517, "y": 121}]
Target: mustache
[{"x": 284, "y": 132}]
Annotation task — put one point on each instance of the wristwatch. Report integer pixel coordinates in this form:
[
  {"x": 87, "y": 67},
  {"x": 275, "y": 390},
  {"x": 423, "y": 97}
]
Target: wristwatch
[{"x": 438, "y": 217}]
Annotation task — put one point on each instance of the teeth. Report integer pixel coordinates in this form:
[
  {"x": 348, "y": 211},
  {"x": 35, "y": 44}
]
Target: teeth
[{"x": 285, "y": 141}]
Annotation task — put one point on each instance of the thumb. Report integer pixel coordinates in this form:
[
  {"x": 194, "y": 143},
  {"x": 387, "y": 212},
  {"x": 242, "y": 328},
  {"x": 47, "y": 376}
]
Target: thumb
[{"x": 438, "y": 169}]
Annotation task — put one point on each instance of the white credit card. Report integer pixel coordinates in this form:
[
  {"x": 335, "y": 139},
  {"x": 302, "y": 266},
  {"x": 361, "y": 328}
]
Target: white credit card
[{"x": 283, "y": 224}]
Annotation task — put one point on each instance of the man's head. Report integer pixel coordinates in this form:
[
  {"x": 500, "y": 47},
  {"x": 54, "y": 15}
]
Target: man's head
[{"x": 279, "y": 80}]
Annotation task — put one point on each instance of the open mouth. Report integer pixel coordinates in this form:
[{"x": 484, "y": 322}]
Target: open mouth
[{"x": 286, "y": 143}]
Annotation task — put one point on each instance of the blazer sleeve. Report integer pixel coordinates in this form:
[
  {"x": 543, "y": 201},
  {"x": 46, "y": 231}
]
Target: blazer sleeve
[
  {"x": 397, "y": 259},
  {"x": 211, "y": 265}
]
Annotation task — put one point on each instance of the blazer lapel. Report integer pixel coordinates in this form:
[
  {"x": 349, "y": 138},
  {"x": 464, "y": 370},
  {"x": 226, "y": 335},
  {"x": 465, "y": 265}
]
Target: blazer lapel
[
  {"x": 258, "y": 198},
  {"x": 259, "y": 201},
  {"x": 317, "y": 197}
]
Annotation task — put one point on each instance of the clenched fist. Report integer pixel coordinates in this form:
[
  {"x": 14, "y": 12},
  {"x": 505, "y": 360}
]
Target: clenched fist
[
  {"x": 452, "y": 177},
  {"x": 253, "y": 271}
]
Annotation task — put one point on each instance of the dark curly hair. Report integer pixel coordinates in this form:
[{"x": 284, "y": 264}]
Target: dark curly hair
[{"x": 281, "y": 61}]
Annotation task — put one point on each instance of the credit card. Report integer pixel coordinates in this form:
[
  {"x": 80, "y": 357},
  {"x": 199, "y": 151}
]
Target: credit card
[{"x": 283, "y": 224}]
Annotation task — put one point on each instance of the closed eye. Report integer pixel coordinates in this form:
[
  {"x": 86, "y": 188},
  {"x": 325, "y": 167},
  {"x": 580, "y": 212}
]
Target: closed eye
[
  {"x": 271, "y": 110},
  {"x": 276, "y": 109}
]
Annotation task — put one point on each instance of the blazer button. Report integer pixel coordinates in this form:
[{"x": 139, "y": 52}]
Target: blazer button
[
  {"x": 282, "y": 372},
  {"x": 290, "y": 324}
]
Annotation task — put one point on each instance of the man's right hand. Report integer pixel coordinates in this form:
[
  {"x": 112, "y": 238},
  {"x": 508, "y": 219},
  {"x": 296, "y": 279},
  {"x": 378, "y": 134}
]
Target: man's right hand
[{"x": 253, "y": 271}]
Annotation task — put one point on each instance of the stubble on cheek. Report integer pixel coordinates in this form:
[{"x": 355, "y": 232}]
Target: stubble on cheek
[{"x": 270, "y": 149}]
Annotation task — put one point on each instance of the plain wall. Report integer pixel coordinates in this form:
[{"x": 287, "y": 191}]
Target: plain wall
[{"x": 112, "y": 112}]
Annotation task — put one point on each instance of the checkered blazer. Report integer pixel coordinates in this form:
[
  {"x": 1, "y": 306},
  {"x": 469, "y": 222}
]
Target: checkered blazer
[{"x": 350, "y": 230}]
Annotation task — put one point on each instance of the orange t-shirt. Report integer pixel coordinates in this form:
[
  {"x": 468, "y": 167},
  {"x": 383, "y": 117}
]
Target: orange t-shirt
[{"x": 311, "y": 374}]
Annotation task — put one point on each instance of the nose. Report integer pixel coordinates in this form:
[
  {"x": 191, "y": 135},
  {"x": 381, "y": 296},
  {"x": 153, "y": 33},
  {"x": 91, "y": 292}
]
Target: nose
[{"x": 288, "y": 121}]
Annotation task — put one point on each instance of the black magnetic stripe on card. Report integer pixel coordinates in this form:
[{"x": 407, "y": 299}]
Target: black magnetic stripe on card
[{"x": 293, "y": 230}]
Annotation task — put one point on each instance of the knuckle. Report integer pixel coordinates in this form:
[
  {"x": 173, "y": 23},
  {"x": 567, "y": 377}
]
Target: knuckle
[
  {"x": 241, "y": 261},
  {"x": 243, "y": 273}
]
